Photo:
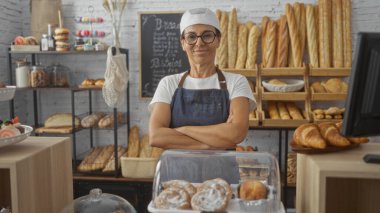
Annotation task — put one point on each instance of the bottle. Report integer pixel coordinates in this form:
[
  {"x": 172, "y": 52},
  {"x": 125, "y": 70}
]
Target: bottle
[
  {"x": 44, "y": 43},
  {"x": 22, "y": 74},
  {"x": 50, "y": 39}
]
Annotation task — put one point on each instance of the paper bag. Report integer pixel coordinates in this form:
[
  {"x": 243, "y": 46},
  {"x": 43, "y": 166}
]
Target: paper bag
[{"x": 43, "y": 12}]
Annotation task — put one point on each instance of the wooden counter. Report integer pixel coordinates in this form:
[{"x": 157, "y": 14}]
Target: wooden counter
[
  {"x": 36, "y": 175},
  {"x": 338, "y": 182}
]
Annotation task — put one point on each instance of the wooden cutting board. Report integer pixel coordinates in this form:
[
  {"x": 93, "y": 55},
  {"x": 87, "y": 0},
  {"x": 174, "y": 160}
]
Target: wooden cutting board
[{"x": 62, "y": 130}]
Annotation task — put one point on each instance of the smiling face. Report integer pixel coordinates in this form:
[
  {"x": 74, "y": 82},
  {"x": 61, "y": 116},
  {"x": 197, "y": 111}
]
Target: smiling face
[{"x": 200, "y": 52}]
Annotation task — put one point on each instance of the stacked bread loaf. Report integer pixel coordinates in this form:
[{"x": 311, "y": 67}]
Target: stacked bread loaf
[
  {"x": 284, "y": 111},
  {"x": 329, "y": 113}
]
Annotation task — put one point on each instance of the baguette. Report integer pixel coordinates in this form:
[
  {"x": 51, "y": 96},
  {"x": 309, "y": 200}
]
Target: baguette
[
  {"x": 294, "y": 111},
  {"x": 264, "y": 25},
  {"x": 102, "y": 159},
  {"x": 222, "y": 51},
  {"x": 156, "y": 152},
  {"x": 308, "y": 135},
  {"x": 324, "y": 33},
  {"x": 273, "y": 111},
  {"x": 347, "y": 36},
  {"x": 242, "y": 47},
  {"x": 294, "y": 37},
  {"x": 232, "y": 38},
  {"x": 316, "y": 19},
  {"x": 331, "y": 133},
  {"x": 218, "y": 14},
  {"x": 282, "y": 43},
  {"x": 311, "y": 36},
  {"x": 110, "y": 166},
  {"x": 337, "y": 29},
  {"x": 145, "y": 148},
  {"x": 249, "y": 25},
  {"x": 270, "y": 44},
  {"x": 86, "y": 164},
  {"x": 302, "y": 29},
  {"x": 91, "y": 120},
  {"x": 133, "y": 142},
  {"x": 284, "y": 114},
  {"x": 253, "y": 40}
]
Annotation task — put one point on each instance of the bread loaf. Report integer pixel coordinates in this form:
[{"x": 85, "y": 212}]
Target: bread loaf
[
  {"x": 347, "y": 36},
  {"x": 294, "y": 36},
  {"x": 222, "y": 51},
  {"x": 134, "y": 142},
  {"x": 337, "y": 36},
  {"x": 61, "y": 120},
  {"x": 108, "y": 120},
  {"x": 273, "y": 111},
  {"x": 311, "y": 36},
  {"x": 91, "y": 120},
  {"x": 110, "y": 166},
  {"x": 253, "y": 40},
  {"x": 86, "y": 164},
  {"x": 264, "y": 25},
  {"x": 294, "y": 111},
  {"x": 282, "y": 43},
  {"x": 317, "y": 87},
  {"x": 276, "y": 81},
  {"x": 232, "y": 38},
  {"x": 145, "y": 148},
  {"x": 331, "y": 133},
  {"x": 308, "y": 135},
  {"x": 242, "y": 47},
  {"x": 324, "y": 33},
  {"x": 357, "y": 140},
  {"x": 302, "y": 29},
  {"x": 156, "y": 152},
  {"x": 102, "y": 159},
  {"x": 270, "y": 44},
  {"x": 284, "y": 114},
  {"x": 333, "y": 85}
]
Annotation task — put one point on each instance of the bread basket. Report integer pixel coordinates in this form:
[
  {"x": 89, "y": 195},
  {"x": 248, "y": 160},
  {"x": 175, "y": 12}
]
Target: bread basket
[{"x": 292, "y": 85}]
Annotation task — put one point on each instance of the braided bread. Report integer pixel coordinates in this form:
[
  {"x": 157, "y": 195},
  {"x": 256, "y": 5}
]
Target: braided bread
[{"x": 311, "y": 36}]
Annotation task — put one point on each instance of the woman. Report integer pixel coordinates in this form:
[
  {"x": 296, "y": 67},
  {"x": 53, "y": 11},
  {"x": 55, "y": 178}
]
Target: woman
[{"x": 203, "y": 108}]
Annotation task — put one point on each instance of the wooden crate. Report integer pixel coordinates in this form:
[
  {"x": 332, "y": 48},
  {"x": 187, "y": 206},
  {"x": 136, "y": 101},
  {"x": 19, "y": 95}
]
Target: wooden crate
[
  {"x": 245, "y": 72},
  {"x": 283, "y": 71},
  {"x": 327, "y": 96},
  {"x": 286, "y": 96},
  {"x": 330, "y": 72},
  {"x": 268, "y": 122}
]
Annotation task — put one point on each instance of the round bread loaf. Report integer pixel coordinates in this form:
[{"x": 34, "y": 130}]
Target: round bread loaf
[{"x": 252, "y": 190}]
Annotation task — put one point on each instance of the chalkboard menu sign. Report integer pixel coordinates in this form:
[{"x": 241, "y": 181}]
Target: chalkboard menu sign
[{"x": 160, "y": 49}]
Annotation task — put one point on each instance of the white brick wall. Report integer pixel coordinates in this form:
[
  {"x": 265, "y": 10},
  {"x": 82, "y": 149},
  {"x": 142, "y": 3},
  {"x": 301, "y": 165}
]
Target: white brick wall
[{"x": 365, "y": 18}]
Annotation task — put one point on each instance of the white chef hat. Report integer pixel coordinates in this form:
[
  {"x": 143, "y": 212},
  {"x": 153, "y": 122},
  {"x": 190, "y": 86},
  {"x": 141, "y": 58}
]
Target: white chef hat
[{"x": 199, "y": 16}]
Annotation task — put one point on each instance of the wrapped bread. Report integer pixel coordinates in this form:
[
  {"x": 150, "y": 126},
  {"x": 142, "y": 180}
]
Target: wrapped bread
[
  {"x": 253, "y": 40},
  {"x": 270, "y": 44},
  {"x": 347, "y": 36},
  {"x": 273, "y": 111},
  {"x": 222, "y": 51},
  {"x": 232, "y": 38},
  {"x": 308, "y": 135},
  {"x": 311, "y": 36},
  {"x": 61, "y": 120},
  {"x": 134, "y": 142},
  {"x": 145, "y": 148},
  {"x": 91, "y": 120},
  {"x": 284, "y": 114},
  {"x": 282, "y": 43},
  {"x": 337, "y": 29},
  {"x": 331, "y": 133},
  {"x": 324, "y": 33},
  {"x": 294, "y": 111},
  {"x": 242, "y": 47},
  {"x": 294, "y": 36}
]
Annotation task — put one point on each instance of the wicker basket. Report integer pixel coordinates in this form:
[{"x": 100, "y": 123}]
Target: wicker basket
[
  {"x": 138, "y": 167},
  {"x": 292, "y": 168}
]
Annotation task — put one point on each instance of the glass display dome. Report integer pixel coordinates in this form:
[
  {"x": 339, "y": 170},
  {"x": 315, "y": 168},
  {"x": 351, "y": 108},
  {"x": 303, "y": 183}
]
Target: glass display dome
[{"x": 98, "y": 202}]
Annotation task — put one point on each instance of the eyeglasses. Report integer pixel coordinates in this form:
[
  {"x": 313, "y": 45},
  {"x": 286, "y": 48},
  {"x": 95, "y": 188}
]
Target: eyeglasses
[{"x": 207, "y": 37}]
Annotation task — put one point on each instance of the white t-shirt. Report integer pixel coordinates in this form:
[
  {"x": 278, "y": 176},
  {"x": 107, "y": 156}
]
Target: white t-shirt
[{"x": 237, "y": 86}]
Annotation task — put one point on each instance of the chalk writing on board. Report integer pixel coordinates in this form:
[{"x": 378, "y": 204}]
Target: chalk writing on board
[{"x": 161, "y": 50}]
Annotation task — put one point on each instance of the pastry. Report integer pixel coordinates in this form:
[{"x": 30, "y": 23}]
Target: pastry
[
  {"x": 353, "y": 139},
  {"x": 102, "y": 159},
  {"x": 333, "y": 85},
  {"x": 211, "y": 200},
  {"x": 133, "y": 142},
  {"x": 294, "y": 111},
  {"x": 312, "y": 36},
  {"x": 99, "y": 82},
  {"x": 334, "y": 111},
  {"x": 318, "y": 112},
  {"x": 182, "y": 184},
  {"x": 172, "y": 198},
  {"x": 331, "y": 133},
  {"x": 232, "y": 38},
  {"x": 62, "y": 46},
  {"x": 337, "y": 33},
  {"x": 88, "y": 82},
  {"x": 308, "y": 135},
  {"x": 252, "y": 190},
  {"x": 242, "y": 47},
  {"x": 61, "y": 120}
]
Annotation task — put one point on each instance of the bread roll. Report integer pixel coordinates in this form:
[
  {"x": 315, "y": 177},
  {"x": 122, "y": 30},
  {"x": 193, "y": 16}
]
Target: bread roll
[
  {"x": 276, "y": 81},
  {"x": 222, "y": 51},
  {"x": 308, "y": 135},
  {"x": 273, "y": 111},
  {"x": 294, "y": 36},
  {"x": 347, "y": 36},
  {"x": 334, "y": 111},
  {"x": 294, "y": 111},
  {"x": 270, "y": 44},
  {"x": 232, "y": 38},
  {"x": 311, "y": 36},
  {"x": 99, "y": 82},
  {"x": 331, "y": 133},
  {"x": 61, "y": 120},
  {"x": 145, "y": 148},
  {"x": 337, "y": 29},
  {"x": 324, "y": 33},
  {"x": 134, "y": 142},
  {"x": 253, "y": 40},
  {"x": 242, "y": 47},
  {"x": 284, "y": 114},
  {"x": 91, "y": 120},
  {"x": 282, "y": 43},
  {"x": 264, "y": 25}
]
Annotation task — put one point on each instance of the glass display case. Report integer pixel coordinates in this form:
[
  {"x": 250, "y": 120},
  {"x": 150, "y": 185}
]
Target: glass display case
[{"x": 216, "y": 181}]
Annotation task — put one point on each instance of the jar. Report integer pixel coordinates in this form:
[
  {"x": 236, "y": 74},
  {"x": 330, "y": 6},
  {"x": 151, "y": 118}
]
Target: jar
[
  {"x": 22, "y": 74},
  {"x": 38, "y": 77},
  {"x": 44, "y": 43},
  {"x": 98, "y": 202},
  {"x": 59, "y": 76}
]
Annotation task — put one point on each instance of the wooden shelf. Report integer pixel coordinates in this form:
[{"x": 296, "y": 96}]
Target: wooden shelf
[
  {"x": 328, "y": 96},
  {"x": 245, "y": 72},
  {"x": 267, "y": 122},
  {"x": 283, "y": 71},
  {"x": 286, "y": 96},
  {"x": 328, "y": 72}
]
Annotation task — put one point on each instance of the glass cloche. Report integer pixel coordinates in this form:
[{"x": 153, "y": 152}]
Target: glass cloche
[{"x": 98, "y": 202}]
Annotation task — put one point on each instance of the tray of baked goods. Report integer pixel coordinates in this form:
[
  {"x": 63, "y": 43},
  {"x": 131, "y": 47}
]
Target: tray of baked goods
[
  {"x": 332, "y": 114},
  {"x": 323, "y": 138},
  {"x": 12, "y": 132},
  {"x": 89, "y": 83},
  {"x": 283, "y": 89},
  {"x": 284, "y": 114},
  {"x": 331, "y": 89},
  {"x": 210, "y": 181}
]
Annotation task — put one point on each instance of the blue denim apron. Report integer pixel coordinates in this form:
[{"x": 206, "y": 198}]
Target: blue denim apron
[{"x": 199, "y": 108}]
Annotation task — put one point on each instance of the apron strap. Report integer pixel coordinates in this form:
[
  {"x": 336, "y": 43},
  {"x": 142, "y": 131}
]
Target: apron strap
[{"x": 221, "y": 79}]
